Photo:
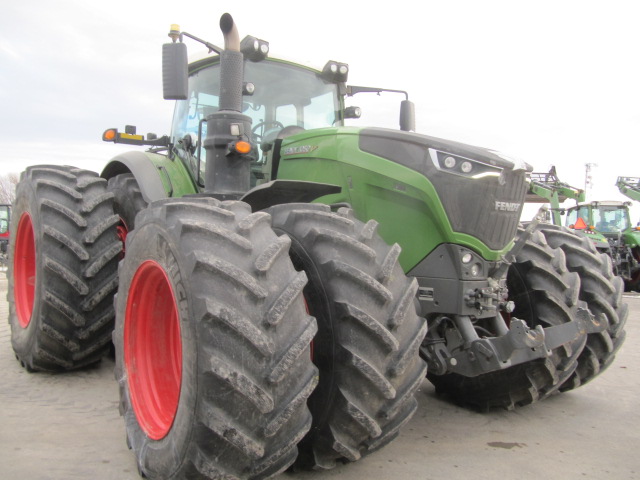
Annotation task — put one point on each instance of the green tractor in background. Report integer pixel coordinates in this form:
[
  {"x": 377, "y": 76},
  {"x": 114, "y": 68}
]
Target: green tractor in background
[
  {"x": 608, "y": 225},
  {"x": 5, "y": 220},
  {"x": 276, "y": 283}
]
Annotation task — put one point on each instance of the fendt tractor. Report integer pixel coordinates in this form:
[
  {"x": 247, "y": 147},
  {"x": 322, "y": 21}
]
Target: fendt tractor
[{"x": 283, "y": 280}]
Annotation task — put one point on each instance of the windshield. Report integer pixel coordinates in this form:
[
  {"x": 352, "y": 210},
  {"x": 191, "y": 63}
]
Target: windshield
[
  {"x": 284, "y": 95},
  {"x": 605, "y": 219},
  {"x": 610, "y": 219}
]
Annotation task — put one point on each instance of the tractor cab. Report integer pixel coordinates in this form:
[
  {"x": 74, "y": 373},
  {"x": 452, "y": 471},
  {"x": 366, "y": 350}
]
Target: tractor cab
[
  {"x": 608, "y": 218},
  {"x": 280, "y": 98}
]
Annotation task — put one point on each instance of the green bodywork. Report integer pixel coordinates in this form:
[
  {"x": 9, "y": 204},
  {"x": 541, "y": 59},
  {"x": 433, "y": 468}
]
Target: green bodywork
[
  {"x": 159, "y": 175},
  {"x": 403, "y": 201},
  {"x": 177, "y": 179}
]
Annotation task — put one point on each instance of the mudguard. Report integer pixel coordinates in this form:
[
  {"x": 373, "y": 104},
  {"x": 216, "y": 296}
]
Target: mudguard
[{"x": 157, "y": 175}]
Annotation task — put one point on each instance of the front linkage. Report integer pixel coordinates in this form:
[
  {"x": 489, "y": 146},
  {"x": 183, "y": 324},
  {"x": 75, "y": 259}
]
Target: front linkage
[{"x": 505, "y": 341}]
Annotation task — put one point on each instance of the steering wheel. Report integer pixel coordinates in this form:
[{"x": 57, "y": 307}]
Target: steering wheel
[{"x": 262, "y": 126}]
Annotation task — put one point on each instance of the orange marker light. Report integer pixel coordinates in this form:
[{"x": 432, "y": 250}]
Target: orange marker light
[
  {"x": 109, "y": 135},
  {"x": 243, "y": 147}
]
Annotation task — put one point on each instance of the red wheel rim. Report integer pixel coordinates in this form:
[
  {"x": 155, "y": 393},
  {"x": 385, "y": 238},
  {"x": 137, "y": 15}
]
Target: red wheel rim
[
  {"x": 24, "y": 270},
  {"x": 153, "y": 349}
]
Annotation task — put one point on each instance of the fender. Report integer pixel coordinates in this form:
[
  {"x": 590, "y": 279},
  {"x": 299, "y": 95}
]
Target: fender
[
  {"x": 277, "y": 192},
  {"x": 158, "y": 176}
]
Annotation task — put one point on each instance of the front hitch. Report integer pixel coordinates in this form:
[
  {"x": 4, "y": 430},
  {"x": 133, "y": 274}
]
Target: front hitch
[{"x": 518, "y": 345}]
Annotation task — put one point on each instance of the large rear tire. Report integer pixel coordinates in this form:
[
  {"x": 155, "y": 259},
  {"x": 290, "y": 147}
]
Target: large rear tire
[
  {"x": 602, "y": 291},
  {"x": 62, "y": 268},
  {"x": 368, "y": 332},
  {"x": 545, "y": 294},
  {"x": 212, "y": 343}
]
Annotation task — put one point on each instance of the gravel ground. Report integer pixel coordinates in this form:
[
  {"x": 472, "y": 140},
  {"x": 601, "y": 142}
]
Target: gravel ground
[{"x": 67, "y": 426}]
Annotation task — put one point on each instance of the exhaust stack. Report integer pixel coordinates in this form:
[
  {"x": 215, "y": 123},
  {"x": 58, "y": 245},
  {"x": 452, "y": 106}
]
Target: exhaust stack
[{"x": 228, "y": 172}]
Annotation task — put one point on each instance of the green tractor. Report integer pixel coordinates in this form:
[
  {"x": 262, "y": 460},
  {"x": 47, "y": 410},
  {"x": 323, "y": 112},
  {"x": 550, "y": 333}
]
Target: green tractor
[
  {"x": 276, "y": 283},
  {"x": 5, "y": 219},
  {"x": 608, "y": 225}
]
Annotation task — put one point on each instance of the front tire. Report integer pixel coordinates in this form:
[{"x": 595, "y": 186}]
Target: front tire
[
  {"x": 212, "y": 343},
  {"x": 62, "y": 268},
  {"x": 368, "y": 332},
  {"x": 602, "y": 291}
]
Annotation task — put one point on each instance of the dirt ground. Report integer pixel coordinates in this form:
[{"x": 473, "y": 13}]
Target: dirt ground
[{"x": 67, "y": 426}]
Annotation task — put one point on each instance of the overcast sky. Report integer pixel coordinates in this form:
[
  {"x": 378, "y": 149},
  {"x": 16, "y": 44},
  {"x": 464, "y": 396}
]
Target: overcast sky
[{"x": 549, "y": 82}]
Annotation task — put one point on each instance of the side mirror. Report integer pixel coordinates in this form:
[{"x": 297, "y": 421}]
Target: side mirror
[
  {"x": 407, "y": 116},
  {"x": 174, "y": 71}
]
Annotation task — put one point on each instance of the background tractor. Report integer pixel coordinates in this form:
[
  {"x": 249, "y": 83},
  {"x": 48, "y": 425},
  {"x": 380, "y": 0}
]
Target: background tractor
[
  {"x": 5, "y": 220},
  {"x": 284, "y": 280},
  {"x": 608, "y": 225}
]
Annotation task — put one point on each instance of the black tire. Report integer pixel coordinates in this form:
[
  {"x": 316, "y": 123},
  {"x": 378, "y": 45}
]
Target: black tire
[
  {"x": 368, "y": 333},
  {"x": 63, "y": 233},
  {"x": 545, "y": 293},
  {"x": 127, "y": 199},
  {"x": 229, "y": 355},
  {"x": 602, "y": 291}
]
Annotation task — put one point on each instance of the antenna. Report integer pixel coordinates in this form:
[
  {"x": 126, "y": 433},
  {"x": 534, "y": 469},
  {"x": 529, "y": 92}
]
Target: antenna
[{"x": 588, "y": 179}]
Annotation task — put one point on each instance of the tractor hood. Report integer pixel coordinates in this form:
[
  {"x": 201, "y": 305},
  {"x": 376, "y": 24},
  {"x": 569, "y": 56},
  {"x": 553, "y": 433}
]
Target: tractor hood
[
  {"x": 416, "y": 145},
  {"x": 482, "y": 191}
]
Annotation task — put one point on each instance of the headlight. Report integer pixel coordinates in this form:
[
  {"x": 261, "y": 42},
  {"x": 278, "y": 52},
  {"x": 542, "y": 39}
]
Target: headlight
[{"x": 465, "y": 167}]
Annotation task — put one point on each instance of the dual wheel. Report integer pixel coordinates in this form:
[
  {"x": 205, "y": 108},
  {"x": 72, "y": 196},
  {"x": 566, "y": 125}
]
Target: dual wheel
[{"x": 217, "y": 352}]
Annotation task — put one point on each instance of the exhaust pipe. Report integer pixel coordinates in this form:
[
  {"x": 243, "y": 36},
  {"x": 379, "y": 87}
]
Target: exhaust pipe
[
  {"x": 231, "y": 66},
  {"x": 230, "y": 32},
  {"x": 227, "y": 175}
]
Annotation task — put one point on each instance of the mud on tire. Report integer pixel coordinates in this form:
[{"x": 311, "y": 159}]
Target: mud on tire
[
  {"x": 545, "y": 293},
  {"x": 368, "y": 332},
  {"x": 62, "y": 268},
  {"x": 602, "y": 291},
  {"x": 212, "y": 343}
]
